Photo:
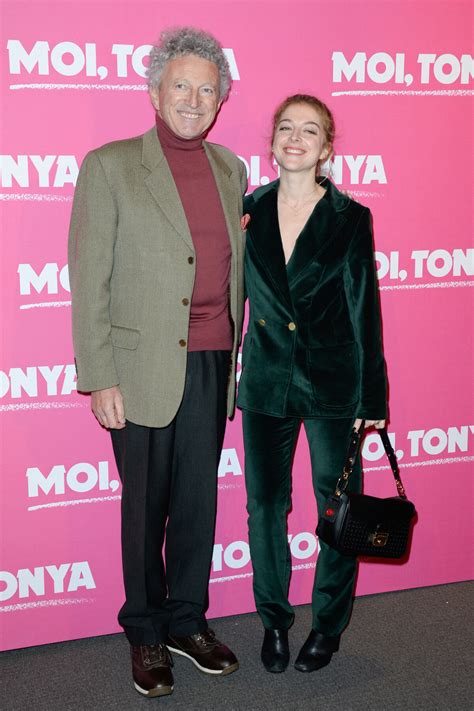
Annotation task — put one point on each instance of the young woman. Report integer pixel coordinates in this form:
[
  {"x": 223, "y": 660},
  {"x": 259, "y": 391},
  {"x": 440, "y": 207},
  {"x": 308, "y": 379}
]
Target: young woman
[{"x": 312, "y": 354}]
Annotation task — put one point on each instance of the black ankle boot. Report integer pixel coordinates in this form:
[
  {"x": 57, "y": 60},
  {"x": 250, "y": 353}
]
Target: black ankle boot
[
  {"x": 316, "y": 652},
  {"x": 275, "y": 650}
]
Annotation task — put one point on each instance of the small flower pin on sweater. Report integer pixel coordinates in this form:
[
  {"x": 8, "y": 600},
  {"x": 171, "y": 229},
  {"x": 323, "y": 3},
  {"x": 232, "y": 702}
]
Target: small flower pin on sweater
[{"x": 244, "y": 221}]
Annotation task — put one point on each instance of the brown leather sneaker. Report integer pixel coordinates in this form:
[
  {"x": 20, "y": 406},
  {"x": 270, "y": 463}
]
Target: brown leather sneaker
[
  {"x": 205, "y": 651},
  {"x": 151, "y": 669}
]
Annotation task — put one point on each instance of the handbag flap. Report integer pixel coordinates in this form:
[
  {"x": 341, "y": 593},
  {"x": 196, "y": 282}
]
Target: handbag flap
[{"x": 377, "y": 510}]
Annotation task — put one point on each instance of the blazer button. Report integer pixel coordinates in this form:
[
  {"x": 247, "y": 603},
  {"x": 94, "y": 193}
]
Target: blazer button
[
  {"x": 262, "y": 321},
  {"x": 190, "y": 260},
  {"x": 292, "y": 326},
  {"x": 185, "y": 301},
  {"x": 182, "y": 342}
]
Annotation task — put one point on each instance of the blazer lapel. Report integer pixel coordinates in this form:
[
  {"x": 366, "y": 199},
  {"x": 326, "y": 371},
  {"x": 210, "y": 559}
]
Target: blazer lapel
[
  {"x": 228, "y": 196},
  {"x": 161, "y": 185},
  {"x": 265, "y": 233},
  {"x": 323, "y": 225}
]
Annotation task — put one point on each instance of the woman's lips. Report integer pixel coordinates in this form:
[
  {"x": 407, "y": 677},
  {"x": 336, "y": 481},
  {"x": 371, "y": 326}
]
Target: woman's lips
[{"x": 294, "y": 151}]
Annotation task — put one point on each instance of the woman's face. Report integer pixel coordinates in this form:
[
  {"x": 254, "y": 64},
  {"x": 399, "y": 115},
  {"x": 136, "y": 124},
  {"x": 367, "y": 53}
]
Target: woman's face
[{"x": 299, "y": 141}]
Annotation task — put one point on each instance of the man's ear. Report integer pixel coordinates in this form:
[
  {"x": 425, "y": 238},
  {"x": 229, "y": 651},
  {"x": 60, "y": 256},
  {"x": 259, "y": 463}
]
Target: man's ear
[{"x": 155, "y": 97}]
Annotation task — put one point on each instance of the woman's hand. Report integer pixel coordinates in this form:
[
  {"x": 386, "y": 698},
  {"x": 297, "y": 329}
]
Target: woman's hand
[{"x": 378, "y": 424}]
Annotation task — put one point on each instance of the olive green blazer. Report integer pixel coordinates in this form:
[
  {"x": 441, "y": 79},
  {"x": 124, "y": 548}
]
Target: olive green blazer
[
  {"x": 132, "y": 269},
  {"x": 314, "y": 333}
]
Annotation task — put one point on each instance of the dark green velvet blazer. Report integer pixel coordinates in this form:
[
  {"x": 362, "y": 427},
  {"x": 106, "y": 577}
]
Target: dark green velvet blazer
[{"x": 313, "y": 346}]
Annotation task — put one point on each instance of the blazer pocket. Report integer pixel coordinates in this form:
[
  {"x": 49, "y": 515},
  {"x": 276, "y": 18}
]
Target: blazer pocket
[{"x": 123, "y": 337}]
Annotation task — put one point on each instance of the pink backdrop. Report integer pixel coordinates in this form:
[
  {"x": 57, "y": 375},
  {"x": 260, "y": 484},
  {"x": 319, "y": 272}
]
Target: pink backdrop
[{"x": 398, "y": 76}]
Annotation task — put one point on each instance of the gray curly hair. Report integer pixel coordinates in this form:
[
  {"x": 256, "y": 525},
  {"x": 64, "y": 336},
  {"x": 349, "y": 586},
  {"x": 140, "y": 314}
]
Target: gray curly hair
[{"x": 181, "y": 41}]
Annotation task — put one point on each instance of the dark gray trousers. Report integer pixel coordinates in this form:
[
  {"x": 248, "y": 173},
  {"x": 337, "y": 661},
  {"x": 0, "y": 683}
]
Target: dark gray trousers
[{"x": 169, "y": 478}]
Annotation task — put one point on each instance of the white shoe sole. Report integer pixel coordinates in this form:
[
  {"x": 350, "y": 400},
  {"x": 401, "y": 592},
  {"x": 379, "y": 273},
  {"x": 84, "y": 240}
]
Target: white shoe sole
[
  {"x": 215, "y": 672},
  {"x": 153, "y": 692}
]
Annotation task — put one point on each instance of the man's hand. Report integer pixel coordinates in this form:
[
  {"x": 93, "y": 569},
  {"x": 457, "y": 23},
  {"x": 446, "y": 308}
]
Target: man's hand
[
  {"x": 378, "y": 424},
  {"x": 107, "y": 406}
]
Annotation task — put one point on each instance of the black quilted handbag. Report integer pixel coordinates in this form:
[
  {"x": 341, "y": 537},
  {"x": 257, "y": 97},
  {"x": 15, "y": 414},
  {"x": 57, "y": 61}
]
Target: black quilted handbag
[{"x": 356, "y": 524}]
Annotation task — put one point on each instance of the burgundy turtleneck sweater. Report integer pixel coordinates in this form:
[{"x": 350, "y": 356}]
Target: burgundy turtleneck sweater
[{"x": 210, "y": 328}]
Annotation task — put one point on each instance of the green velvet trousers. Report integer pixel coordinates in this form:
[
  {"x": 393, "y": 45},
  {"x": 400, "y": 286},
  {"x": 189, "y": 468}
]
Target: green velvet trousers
[{"x": 269, "y": 448}]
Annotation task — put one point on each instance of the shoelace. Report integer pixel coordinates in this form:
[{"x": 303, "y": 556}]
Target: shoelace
[
  {"x": 156, "y": 654},
  {"x": 207, "y": 638}
]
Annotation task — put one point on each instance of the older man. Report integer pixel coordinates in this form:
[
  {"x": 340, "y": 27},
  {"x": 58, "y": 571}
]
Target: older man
[{"x": 155, "y": 257}]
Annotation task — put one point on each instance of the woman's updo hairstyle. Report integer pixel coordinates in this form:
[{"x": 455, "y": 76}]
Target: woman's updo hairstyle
[{"x": 327, "y": 119}]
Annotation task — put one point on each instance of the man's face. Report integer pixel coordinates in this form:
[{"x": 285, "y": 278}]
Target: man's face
[{"x": 187, "y": 98}]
